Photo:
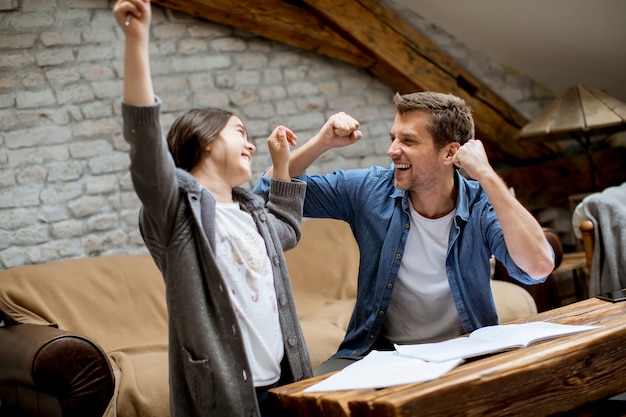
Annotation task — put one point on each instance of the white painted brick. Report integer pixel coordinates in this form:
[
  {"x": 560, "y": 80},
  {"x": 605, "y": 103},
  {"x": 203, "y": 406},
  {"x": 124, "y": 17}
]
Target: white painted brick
[
  {"x": 263, "y": 110},
  {"x": 18, "y": 41},
  {"x": 204, "y": 63},
  {"x": 101, "y": 222},
  {"x": 61, "y": 38},
  {"x": 76, "y": 93},
  {"x": 62, "y": 76},
  {"x": 113, "y": 162},
  {"x": 101, "y": 184},
  {"x": 97, "y": 128},
  {"x": 94, "y": 53},
  {"x": 8, "y": 5},
  {"x": 229, "y": 45},
  {"x": 34, "y": 174},
  {"x": 30, "y": 21},
  {"x": 245, "y": 78},
  {"x": 58, "y": 56},
  {"x": 61, "y": 193},
  {"x": 23, "y": 196},
  {"x": 17, "y": 218},
  {"x": 85, "y": 206},
  {"x": 13, "y": 256},
  {"x": 31, "y": 235},
  {"x": 44, "y": 135},
  {"x": 65, "y": 171},
  {"x": 6, "y": 239},
  {"x": 50, "y": 214},
  {"x": 38, "y": 5},
  {"x": 26, "y": 99},
  {"x": 192, "y": 46},
  {"x": 15, "y": 61},
  {"x": 7, "y": 100},
  {"x": 66, "y": 229}
]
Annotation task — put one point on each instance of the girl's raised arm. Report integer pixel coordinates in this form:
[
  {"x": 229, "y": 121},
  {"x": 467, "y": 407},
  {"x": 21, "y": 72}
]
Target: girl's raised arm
[{"x": 134, "y": 17}]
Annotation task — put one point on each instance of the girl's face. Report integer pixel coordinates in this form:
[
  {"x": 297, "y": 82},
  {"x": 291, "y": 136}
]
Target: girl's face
[{"x": 230, "y": 154}]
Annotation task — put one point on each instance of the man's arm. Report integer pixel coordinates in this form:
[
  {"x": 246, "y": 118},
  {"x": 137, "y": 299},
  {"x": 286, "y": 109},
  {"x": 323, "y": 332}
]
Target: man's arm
[
  {"x": 339, "y": 130},
  {"x": 523, "y": 235}
]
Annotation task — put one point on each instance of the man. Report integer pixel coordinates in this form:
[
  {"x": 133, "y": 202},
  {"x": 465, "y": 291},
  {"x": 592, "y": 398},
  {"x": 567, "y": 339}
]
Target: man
[{"x": 425, "y": 232}]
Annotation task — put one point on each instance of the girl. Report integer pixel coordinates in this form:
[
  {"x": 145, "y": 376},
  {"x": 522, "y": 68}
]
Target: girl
[{"x": 233, "y": 328}]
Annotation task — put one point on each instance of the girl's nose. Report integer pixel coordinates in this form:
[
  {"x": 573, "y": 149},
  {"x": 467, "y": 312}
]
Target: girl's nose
[{"x": 251, "y": 148}]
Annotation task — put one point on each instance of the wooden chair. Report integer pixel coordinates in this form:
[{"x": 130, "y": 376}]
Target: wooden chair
[{"x": 586, "y": 228}]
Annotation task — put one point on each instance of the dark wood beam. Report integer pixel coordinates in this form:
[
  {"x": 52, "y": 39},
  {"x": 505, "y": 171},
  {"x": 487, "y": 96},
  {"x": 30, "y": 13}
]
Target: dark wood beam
[
  {"x": 275, "y": 20},
  {"x": 366, "y": 34}
]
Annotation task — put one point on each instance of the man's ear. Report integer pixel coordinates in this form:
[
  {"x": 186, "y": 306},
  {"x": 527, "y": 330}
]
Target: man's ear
[{"x": 449, "y": 151}]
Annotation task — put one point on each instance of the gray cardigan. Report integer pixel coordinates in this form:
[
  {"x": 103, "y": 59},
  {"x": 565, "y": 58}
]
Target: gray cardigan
[{"x": 209, "y": 371}]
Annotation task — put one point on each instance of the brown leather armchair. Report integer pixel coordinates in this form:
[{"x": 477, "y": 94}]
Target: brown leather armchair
[
  {"x": 545, "y": 294},
  {"x": 84, "y": 338},
  {"x": 50, "y": 372}
]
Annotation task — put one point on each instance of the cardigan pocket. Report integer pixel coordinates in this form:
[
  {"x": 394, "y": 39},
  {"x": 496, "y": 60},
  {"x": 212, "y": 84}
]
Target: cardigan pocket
[{"x": 199, "y": 378}]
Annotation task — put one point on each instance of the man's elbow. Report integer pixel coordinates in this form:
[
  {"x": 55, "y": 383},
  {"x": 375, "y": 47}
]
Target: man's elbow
[{"x": 541, "y": 268}]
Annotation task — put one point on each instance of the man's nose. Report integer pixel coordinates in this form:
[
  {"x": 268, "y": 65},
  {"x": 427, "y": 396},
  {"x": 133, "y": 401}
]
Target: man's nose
[{"x": 393, "y": 150}]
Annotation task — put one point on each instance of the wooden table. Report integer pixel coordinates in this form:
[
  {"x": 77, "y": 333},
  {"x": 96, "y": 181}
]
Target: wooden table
[{"x": 540, "y": 380}]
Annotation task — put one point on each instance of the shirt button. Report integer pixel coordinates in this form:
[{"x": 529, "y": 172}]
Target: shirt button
[
  {"x": 407, "y": 225},
  {"x": 354, "y": 352},
  {"x": 371, "y": 337},
  {"x": 263, "y": 216},
  {"x": 389, "y": 286},
  {"x": 398, "y": 255},
  {"x": 381, "y": 313},
  {"x": 276, "y": 259},
  {"x": 282, "y": 300},
  {"x": 292, "y": 341}
]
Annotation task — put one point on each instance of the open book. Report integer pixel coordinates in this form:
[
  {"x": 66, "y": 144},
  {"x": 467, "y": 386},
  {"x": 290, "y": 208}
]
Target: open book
[{"x": 489, "y": 339}]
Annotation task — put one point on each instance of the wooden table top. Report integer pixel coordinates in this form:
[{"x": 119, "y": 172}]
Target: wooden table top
[{"x": 543, "y": 379}]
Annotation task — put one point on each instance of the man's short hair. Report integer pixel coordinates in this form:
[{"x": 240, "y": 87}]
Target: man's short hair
[{"x": 451, "y": 118}]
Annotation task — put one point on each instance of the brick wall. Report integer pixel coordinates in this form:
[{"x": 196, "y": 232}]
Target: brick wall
[{"x": 65, "y": 190}]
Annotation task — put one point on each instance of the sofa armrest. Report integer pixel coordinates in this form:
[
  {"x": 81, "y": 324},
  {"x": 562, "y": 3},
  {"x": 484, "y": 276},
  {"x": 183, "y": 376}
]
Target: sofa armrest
[{"x": 37, "y": 359}]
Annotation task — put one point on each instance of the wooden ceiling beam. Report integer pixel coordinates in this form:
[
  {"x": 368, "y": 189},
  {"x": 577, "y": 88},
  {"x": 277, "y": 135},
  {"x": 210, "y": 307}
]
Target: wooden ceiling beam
[
  {"x": 275, "y": 20},
  {"x": 366, "y": 34}
]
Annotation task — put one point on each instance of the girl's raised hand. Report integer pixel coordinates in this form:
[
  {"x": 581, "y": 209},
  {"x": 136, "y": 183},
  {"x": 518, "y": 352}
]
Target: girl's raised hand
[
  {"x": 278, "y": 143},
  {"x": 133, "y": 16}
]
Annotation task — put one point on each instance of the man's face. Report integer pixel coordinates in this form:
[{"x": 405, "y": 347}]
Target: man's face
[{"x": 413, "y": 152}]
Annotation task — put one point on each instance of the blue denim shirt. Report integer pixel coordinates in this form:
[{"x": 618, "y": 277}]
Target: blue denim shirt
[{"x": 378, "y": 214}]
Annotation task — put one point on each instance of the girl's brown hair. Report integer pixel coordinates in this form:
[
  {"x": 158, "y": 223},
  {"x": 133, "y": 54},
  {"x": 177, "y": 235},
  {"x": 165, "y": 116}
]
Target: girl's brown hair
[{"x": 192, "y": 131}]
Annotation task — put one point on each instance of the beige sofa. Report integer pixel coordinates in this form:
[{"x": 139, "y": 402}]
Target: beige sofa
[{"x": 108, "y": 355}]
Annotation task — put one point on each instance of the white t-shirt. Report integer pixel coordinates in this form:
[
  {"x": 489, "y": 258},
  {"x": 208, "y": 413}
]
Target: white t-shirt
[
  {"x": 421, "y": 308},
  {"x": 243, "y": 260}
]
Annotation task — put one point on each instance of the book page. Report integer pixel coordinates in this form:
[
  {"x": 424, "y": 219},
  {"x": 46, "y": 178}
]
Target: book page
[
  {"x": 459, "y": 348},
  {"x": 489, "y": 339},
  {"x": 380, "y": 369},
  {"x": 526, "y": 333}
]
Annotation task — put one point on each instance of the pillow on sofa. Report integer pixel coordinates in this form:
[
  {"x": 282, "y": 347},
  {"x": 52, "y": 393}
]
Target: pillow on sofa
[{"x": 323, "y": 268}]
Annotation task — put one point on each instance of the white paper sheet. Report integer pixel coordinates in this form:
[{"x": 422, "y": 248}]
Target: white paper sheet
[
  {"x": 490, "y": 339},
  {"x": 381, "y": 369}
]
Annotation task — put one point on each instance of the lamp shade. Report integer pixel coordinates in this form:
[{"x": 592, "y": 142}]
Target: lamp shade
[{"x": 580, "y": 112}]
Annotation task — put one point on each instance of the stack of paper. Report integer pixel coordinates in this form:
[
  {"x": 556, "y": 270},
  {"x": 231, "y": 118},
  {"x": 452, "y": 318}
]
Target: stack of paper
[{"x": 424, "y": 362}]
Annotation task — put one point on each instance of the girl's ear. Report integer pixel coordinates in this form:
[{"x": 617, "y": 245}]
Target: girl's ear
[{"x": 449, "y": 151}]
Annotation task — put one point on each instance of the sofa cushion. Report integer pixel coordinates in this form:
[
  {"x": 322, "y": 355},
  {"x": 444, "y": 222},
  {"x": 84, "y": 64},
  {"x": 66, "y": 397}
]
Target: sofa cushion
[
  {"x": 117, "y": 301},
  {"x": 323, "y": 268},
  {"x": 142, "y": 384}
]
